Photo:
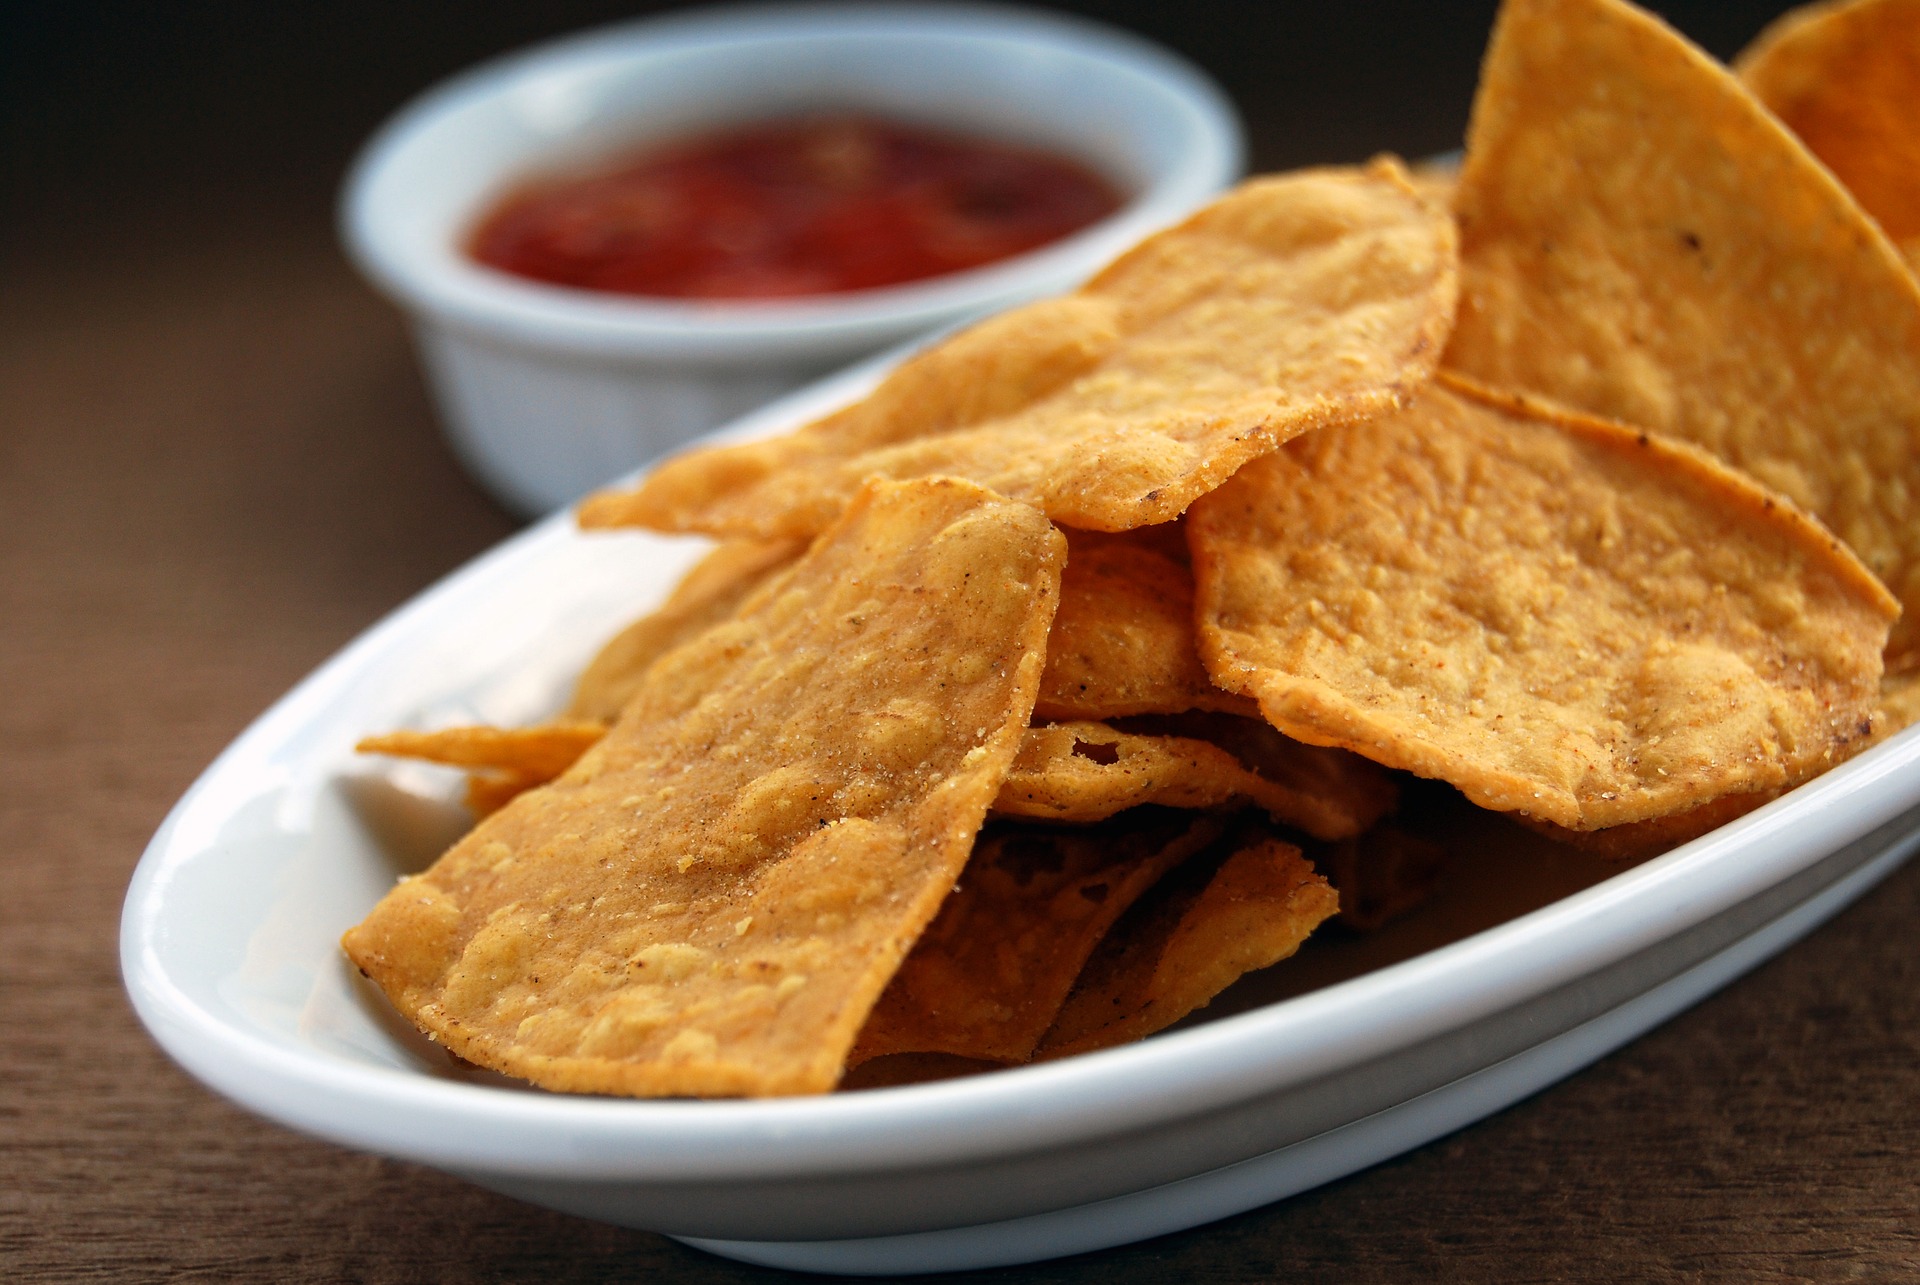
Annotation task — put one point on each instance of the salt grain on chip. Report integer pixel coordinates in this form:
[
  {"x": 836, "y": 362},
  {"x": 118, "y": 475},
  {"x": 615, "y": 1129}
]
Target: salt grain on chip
[
  {"x": 1293, "y": 303},
  {"x": 709, "y": 901},
  {"x": 1559, "y": 616},
  {"x": 1642, "y": 240}
]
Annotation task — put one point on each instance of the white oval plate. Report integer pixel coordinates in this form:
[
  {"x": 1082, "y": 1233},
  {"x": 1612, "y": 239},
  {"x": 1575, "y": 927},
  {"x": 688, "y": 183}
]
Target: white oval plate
[{"x": 229, "y": 949}]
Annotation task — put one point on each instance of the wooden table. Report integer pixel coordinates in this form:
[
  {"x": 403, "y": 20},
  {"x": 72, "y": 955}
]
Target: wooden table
[{"x": 217, "y": 465}]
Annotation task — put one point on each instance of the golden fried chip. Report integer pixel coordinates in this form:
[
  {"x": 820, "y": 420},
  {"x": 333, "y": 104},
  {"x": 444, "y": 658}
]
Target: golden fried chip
[
  {"x": 1198, "y": 932},
  {"x": 709, "y": 594},
  {"x": 1845, "y": 77},
  {"x": 1640, "y": 239},
  {"x": 1088, "y": 771},
  {"x": 1122, "y": 641},
  {"x": 1292, "y": 303},
  {"x": 1081, "y": 771},
  {"x": 537, "y": 753},
  {"x": 990, "y": 973},
  {"x": 1348, "y": 793},
  {"x": 1382, "y": 875},
  {"x": 1557, "y": 615},
  {"x": 712, "y": 898}
]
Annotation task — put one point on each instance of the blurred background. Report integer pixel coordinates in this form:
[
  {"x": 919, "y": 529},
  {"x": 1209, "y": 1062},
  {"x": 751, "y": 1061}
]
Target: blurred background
[{"x": 210, "y": 114}]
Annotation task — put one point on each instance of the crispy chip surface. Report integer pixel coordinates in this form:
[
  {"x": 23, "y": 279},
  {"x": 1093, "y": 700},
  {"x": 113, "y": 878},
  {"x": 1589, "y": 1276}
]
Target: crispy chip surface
[
  {"x": 1557, "y": 615},
  {"x": 1085, "y": 771},
  {"x": 989, "y": 975},
  {"x": 711, "y": 899},
  {"x": 709, "y": 594},
  {"x": 1291, "y": 303},
  {"x": 1703, "y": 276},
  {"x": 1845, "y": 77},
  {"x": 1199, "y": 931},
  {"x": 1122, "y": 641}
]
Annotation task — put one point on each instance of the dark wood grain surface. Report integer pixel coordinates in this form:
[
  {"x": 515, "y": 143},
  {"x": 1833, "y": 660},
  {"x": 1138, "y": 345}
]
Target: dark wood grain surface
[{"x": 217, "y": 465}]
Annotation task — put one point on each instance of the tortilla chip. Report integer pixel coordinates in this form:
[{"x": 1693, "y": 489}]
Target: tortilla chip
[
  {"x": 1122, "y": 641},
  {"x": 709, "y": 594},
  {"x": 1088, "y": 771},
  {"x": 506, "y": 761},
  {"x": 1642, "y": 240},
  {"x": 991, "y": 971},
  {"x": 712, "y": 898},
  {"x": 1557, "y": 615},
  {"x": 1381, "y": 875},
  {"x": 537, "y": 753},
  {"x": 1198, "y": 932},
  {"x": 1080, "y": 771},
  {"x": 1290, "y": 304},
  {"x": 1846, "y": 78}
]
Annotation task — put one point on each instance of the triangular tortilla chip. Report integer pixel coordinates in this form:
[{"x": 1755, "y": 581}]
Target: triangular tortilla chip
[
  {"x": 1194, "y": 935},
  {"x": 990, "y": 973},
  {"x": 712, "y": 898},
  {"x": 1557, "y": 615},
  {"x": 537, "y": 753},
  {"x": 1845, "y": 78},
  {"x": 1642, "y": 240},
  {"x": 1292, "y": 303}
]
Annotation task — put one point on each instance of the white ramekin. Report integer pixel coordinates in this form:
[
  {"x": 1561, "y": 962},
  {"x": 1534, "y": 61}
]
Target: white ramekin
[{"x": 548, "y": 392}]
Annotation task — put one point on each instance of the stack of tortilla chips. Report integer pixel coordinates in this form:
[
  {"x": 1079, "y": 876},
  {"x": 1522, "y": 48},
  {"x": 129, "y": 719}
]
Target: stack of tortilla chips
[{"x": 1028, "y": 703}]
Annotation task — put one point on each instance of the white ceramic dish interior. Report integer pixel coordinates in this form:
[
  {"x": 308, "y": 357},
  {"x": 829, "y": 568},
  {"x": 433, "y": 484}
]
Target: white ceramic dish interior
[
  {"x": 1301, "y": 1074},
  {"x": 548, "y": 392}
]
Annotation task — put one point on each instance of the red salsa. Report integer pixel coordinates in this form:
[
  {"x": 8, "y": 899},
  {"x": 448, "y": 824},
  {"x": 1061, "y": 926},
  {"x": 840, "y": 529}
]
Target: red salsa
[{"x": 790, "y": 208}]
